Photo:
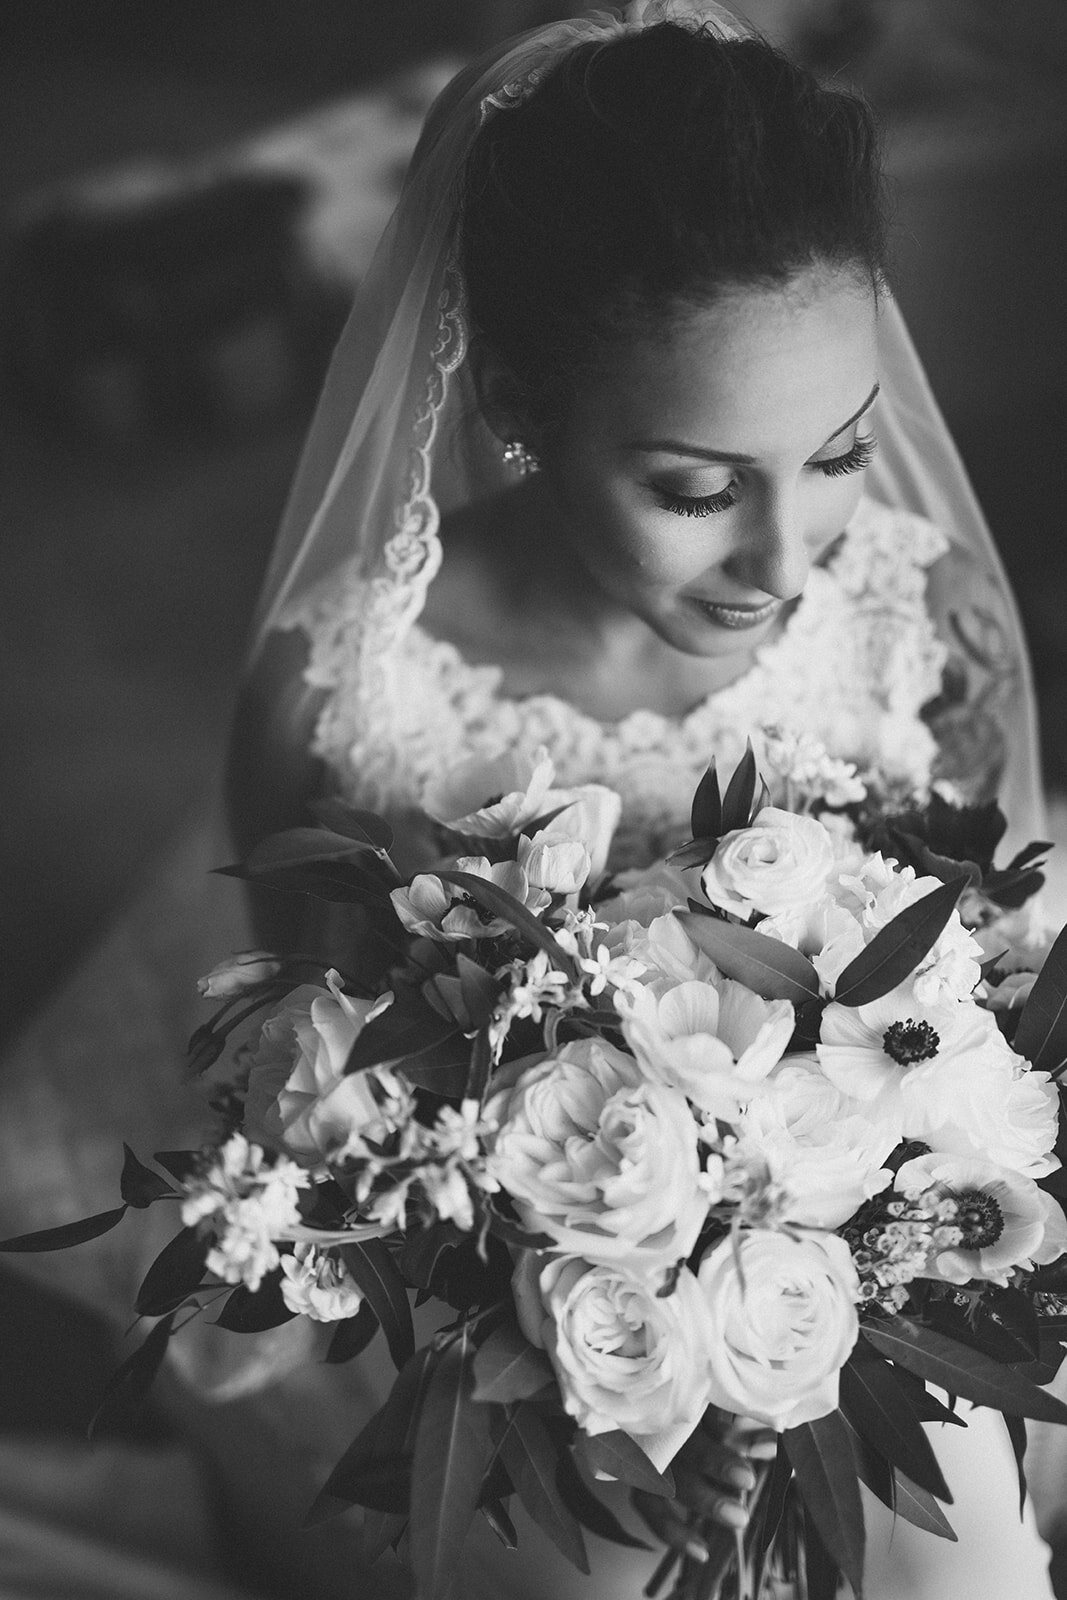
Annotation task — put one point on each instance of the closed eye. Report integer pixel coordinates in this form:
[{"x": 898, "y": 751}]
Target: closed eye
[{"x": 853, "y": 460}]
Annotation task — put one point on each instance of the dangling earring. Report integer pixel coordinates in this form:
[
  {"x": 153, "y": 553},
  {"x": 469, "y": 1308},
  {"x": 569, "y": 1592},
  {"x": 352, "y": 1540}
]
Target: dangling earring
[{"x": 518, "y": 456}]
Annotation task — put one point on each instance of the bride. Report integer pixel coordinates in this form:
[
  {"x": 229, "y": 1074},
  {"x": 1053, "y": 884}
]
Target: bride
[{"x": 625, "y": 452}]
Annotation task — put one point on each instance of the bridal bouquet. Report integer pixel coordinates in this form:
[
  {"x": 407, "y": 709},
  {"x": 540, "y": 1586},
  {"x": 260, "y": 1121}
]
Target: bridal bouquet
[{"x": 769, "y": 1129}]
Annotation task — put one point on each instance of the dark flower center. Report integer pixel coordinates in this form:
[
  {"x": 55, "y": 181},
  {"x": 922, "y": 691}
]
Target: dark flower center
[
  {"x": 485, "y": 916},
  {"x": 980, "y": 1219},
  {"x": 911, "y": 1041}
]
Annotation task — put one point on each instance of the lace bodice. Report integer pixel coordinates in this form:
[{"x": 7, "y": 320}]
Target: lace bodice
[{"x": 853, "y": 666}]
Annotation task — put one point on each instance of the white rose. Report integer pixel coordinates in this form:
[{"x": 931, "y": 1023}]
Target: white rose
[
  {"x": 783, "y": 1323},
  {"x": 299, "y": 1099},
  {"x": 492, "y": 798},
  {"x": 1006, "y": 1220},
  {"x": 825, "y": 1150},
  {"x": 782, "y": 861},
  {"x": 714, "y": 1040},
  {"x": 240, "y": 972},
  {"x": 603, "y": 1161},
  {"x": 624, "y": 1356}
]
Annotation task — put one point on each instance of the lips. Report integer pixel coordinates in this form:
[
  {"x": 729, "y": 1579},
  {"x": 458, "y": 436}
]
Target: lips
[{"x": 738, "y": 617}]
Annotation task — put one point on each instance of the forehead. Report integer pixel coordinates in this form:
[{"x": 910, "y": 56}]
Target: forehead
[{"x": 760, "y": 370}]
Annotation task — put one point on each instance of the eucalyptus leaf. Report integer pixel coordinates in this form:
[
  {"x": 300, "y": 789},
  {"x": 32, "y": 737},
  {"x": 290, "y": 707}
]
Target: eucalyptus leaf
[
  {"x": 139, "y": 1185},
  {"x": 767, "y": 966},
  {"x": 706, "y": 815},
  {"x": 301, "y": 847},
  {"x": 452, "y": 1453},
  {"x": 962, "y": 1371},
  {"x": 530, "y": 1455},
  {"x": 352, "y": 1336},
  {"x": 740, "y": 793},
  {"x": 387, "y": 1437},
  {"x": 402, "y": 1031},
  {"x": 365, "y": 827},
  {"x": 875, "y": 1403},
  {"x": 897, "y": 949},
  {"x": 1017, "y": 1434},
  {"x": 501, "y": 904},
  {"x": 245, "y": 1312},
  {"x": 128, "y": 1386},
  {"x": 589, "y": 1509},
  {"x": 620, "y": 1457},
  {"x": 507, "y": 1367},
  {"x": 918, "y": 1506},
  {"x": 67, "y": 1234},
  {"x": 177, "y": 1272},
  {"x": 826, "y": 1477},
  {"x": 376, "y": 1273},
  {"x": 1041, "y": 1035}
]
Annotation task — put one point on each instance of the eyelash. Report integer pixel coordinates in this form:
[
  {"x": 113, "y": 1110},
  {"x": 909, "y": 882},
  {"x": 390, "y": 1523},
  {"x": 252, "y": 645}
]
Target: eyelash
[{"x": 853, "y": 460}]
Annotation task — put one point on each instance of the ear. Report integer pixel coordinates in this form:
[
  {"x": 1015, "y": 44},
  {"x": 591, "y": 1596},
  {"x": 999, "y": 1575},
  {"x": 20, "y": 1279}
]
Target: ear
[{"x": 500, "y": 396}]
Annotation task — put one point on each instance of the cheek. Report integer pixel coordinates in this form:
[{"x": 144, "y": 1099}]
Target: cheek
[{"x": 832, "y": 511}]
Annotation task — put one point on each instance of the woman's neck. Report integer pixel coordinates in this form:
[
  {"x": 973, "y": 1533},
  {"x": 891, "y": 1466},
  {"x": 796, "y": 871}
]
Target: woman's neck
[{"x": 511, "y": 592}]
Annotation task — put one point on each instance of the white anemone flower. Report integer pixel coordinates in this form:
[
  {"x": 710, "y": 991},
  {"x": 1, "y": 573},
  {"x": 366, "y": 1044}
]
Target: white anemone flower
[
  {"x": 715, "y": 1040},
  {"x": 1005, "y": 1220},
  {"x": 494, "y": 797}
]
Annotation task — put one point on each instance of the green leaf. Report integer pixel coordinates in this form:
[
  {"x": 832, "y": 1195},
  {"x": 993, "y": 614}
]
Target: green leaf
[
  {"x": 179, "y": 1163},
  {"x": 898, "y": 948},
  {"x": 821, "y": 1572},
  {"x": 452, "y": 1453},
  {"x": 177, "y": 1272},
  {"x": 1041, "y": 1035},
  {"x": 919, "y": 1507},
  {"x": 740, "y": 793},
  {"x": 376, "y": 1273},
  {"x": 767, "y": 966},
  {"x": 388, "y": 1438},
  {"x": 502, "y": 904},
  {"x": 1017, "y": 1434},
  {"x": 507, "y": 1367},
  {"x": 530, "y": 1456},
  {"x": 875, "y": 1403},
  {"x": 402, "y": 1032},
  {"x": 962, "y": 1371},
  {"x": 589, "y": 1509},
  {"x": 826, "y": 1477},
  {"x": 139, "y": 1185},
  {"x": 352, "y": 1336},
  {"x": 497, "y": 1517},
  {"x": 365, "y": 827},
  {"x": 694, "y": 853},
  {"x": 706, "y": 815},
  {"x": 301, "y": 847},
  {"x": 67, "y": 1234},
  {"x": 128, "y": 1386},
  {"x": 480, "y": 989},
  {"x": 621, "y": 1457},
  {"x": 245, "y": 1312},
  {"x": 512, "y": 1232}
]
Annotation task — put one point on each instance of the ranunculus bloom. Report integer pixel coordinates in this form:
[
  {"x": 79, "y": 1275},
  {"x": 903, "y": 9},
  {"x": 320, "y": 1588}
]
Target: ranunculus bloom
[
  {"x": 783, "y": 1323},
  {"x": 299, "y": 1099},
  {"x": 625, "y": 1357},
  {"x": 825, "y": 1150},
  {"x": 238, "y": 973},
  {"x": 1007, "y": 1220},
  {"x": 492, "y": 798},
  {"x": 714, "y": 1040},
  {"x": 439, "y": 910},
  {"x": 552, "y": 861},
  {"x": 604, "y": 1162},
  {"x": 590, "y": 816},
  {"x": 782, "y": 861}
]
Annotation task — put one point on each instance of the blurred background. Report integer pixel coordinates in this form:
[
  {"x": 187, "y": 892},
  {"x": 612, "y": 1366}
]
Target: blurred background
[{"x": 188, "y": 197}]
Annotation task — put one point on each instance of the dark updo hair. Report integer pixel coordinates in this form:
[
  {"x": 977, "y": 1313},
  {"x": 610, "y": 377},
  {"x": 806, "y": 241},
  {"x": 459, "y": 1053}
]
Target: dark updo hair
[{"x": 647, "y": 175}]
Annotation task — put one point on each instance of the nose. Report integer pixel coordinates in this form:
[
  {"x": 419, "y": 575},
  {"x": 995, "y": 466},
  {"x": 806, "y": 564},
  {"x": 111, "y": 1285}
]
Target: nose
[{"x": 771, "y": 554}]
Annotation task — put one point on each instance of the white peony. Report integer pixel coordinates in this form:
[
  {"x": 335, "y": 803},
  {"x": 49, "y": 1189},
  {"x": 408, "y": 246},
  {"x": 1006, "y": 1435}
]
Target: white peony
[
  {"x": 779, "y": 863},
  {"x": 826, "y": 1151},
  {"x": 492, "y": 798},
  {"x": 715, "y": 1040},
  {"x": 783, "y": 1323},
  {"x": 989, "y": 1106},
  {"x": 299, "y": 1098},
  {"x": 1005, "y": 1219},
  {"x": 624, "y": 1356},
  {"x": 603, "y": 1161}
]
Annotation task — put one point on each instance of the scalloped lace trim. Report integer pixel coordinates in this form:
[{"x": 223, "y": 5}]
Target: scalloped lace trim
[{"x": 853, "y": 666}]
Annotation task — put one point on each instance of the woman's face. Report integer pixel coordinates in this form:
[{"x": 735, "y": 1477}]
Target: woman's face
[{"x": 709, "y": 464}]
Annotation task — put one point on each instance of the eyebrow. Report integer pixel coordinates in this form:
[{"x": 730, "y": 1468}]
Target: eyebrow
[{"x": 676, "y": 448}]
